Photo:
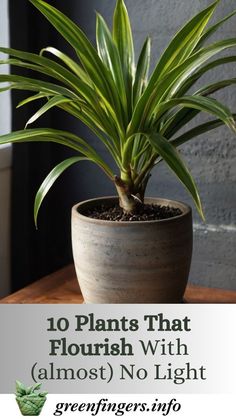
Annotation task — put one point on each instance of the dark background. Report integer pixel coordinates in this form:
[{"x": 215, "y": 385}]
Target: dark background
[{"x": 210, "y": 157}]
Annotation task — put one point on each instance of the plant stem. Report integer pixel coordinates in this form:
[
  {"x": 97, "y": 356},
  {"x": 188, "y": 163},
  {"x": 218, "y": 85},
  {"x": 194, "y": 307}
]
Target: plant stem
[
  {"x": 148, "y": 166},
  {"x": 126, "y": 201}
]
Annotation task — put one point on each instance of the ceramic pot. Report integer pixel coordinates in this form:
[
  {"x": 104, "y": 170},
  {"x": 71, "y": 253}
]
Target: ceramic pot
[{"x": 132, "y": 262}]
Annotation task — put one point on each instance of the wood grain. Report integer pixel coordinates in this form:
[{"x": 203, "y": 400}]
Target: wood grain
[
  {"x": 58, "y": 288},
  {"x": 62, "y": 288}
]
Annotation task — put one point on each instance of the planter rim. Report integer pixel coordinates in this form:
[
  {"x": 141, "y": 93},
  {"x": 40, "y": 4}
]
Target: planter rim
[{"x": 185, "y": 208}]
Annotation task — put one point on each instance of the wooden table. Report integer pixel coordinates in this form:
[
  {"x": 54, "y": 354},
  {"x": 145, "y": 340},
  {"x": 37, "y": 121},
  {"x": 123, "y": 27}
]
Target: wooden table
[{"x": 62, "y": 288}]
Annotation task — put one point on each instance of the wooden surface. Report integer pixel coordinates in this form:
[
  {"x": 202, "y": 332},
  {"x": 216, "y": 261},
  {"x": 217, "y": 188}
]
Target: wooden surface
[{"x": 62, "y": 288}]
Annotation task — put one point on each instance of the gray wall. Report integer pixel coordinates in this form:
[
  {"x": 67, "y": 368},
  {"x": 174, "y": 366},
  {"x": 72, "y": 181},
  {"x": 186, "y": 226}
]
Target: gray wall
[{"x": 210, "y": 157}]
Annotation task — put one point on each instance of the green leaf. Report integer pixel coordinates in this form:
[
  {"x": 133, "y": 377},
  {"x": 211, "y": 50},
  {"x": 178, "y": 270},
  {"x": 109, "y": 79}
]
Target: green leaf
[
  {"x": 193, "y": 63},
  {"x": 55, "y": 101},
  {"x": 141, "y": 76},
  {"x": 210, "y": 31},
  {"x": 214, "y": 87},
  {"x": 91, "y": 61},
  {"x": 80, "y": 89},
  {"x": 196, "y": 131},
  {"x": 43, "y": 394},
  {"x": 209, "y": 105},
  {"x": 28, "y": 83},
  {"x": 61, "y": 137},
  {"x": 95, "y": 122},
  {"x": 71, "y": 64},
  {"x": 28, "y": 390},
  {"x": 183, "y": 116},
  {"x": 169, "y": 85},
  {"x": 204, "y": 69},
  {"x": 49, "y": 67},
  {"x": 37, "y": 386},
  {"x": 109, "y": 54},
  {"x": 85, "y": 94},
  {"x": 5, "y": 89},
  {"x": 96, "y": 125},
  {"x": 50, "y": 180},
  {"x": 20, "y": 388},
  {"x": 171, "y": 156},
  {"x": 177, "y": 121},
  {"x": 122, "y": 35},
  {"x": 183, "y": 44},
  {"x": 32, "y": 98},
  {"x": 47, "y": 135}
]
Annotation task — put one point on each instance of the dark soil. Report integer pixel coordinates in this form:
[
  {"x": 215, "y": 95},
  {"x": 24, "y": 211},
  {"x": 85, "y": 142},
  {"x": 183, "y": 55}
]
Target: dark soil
[{"x": 147, "y": 212}]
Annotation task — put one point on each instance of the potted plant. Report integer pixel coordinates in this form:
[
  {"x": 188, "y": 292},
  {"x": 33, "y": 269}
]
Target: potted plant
[
  {"x": 29, "y": 399},
  {"x": 127, "y": 249}
]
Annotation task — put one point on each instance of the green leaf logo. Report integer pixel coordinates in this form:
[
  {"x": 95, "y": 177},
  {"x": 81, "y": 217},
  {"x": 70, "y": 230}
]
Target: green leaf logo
[{"x": 29, "y": 399}]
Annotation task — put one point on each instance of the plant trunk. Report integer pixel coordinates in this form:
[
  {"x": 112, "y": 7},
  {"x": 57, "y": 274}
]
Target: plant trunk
[
  {"x": 131, "y": 196},
  {"x": 128, "y": 202}
]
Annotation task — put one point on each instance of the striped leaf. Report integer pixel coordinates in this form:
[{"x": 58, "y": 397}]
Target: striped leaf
[
  {"x": 210, "y": 31},
  {"x": 46, "y": 66},
  {"x": 122, "y": 35},
  {"x": 27, "y": 83},
  {"x": 109, "y": 54},
  {"x": 183, "y": 44},
  {"x": 89, "y": 57},
  {"x": 204, "y": 104},
  {"x": 55, "y": 101},
  {"x": 50, "y": 180},
  {"x": 196, "y": 131},
  {"x": 141, "y": 76},
  {"x": 71, "y": 64},
  {"x": 172, "y": 158},
  {"x": 183, "y": 116},
  {"x": 189, "y": 83},
  {"x": 32, "y": 99},
  {"x": 169, "y": 85}
]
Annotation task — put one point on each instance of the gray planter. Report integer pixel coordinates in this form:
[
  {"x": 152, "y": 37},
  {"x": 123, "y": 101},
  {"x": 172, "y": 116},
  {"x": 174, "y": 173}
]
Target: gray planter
[{"x": 132, "y": 262}]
